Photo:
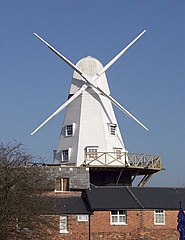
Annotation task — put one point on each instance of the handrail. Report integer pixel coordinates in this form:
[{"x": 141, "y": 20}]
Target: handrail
[{"x": 124, "y": 159}]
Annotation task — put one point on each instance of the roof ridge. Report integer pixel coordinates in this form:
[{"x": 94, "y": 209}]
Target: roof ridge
[{"x": 134, "y": 197}]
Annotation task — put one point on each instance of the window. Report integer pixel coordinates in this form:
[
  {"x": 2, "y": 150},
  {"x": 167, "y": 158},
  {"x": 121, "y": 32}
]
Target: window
[
  {"x": 159, "y": 217},
  {"x": 118, "y": 217},
  {"x": 22, "y": 225},
  {"x": 65, "y": 155},
  {"x": 117, "y": 153},
  {"x": 92, "y": 152},
  {"x": 112, "y": 129},
  {"x": 63, "y": 225},
  {"x": 69, "y": 130},
  {"x": 82, "y": 218},
  {"x": 61, "y": 184}
]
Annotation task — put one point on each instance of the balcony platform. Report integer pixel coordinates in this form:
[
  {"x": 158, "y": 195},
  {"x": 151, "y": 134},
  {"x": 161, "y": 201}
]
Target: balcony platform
[{"x": 123, "y": 168}]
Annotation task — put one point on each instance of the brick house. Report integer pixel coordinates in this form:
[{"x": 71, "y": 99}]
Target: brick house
[{"x": 116, "y": 213}]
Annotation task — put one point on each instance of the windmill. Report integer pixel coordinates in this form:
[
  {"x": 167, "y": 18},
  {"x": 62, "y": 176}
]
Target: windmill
[
  {"x": 90, "y": 135},
  {"x": 90, "y": 124}
]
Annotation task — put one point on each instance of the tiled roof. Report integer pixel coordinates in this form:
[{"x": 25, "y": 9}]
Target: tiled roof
[
  {"x": 102, "y": 198},
  {"x": 65, "y": 205},
  {"x": 164, "y": 198},
  {"x": 109, "y": 198},
  {"x": 112, "y": 198}
]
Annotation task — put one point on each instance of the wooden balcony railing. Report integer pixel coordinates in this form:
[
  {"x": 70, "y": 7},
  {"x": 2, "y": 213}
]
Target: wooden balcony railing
[{"x": 124, "y": 159}]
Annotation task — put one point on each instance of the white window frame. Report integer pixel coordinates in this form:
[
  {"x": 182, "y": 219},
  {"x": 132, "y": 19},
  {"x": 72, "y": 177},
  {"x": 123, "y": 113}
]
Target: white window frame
[
  {"x": 62, "y": 184},
  {"x": 119, "y": 216},
  {"x": 68, "y": 151},
  {"x": 82, "y": 218},
  {"x": 112, "y": 129},
  {"x": 158, "y": 215},
  {"x": 72, "y": 126},
  {"x": 92, "y": 153},
  {"x": 19, "y": 228},
  {"x": 118, "y": 155},
  {"x": 63, "y": 224}
]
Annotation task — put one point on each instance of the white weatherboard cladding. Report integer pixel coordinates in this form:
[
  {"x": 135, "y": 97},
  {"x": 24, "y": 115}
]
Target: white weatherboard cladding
[{"x": 91, "y": 115}]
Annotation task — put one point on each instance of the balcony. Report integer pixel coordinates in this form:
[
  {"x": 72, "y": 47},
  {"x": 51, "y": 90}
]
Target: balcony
[{"x": 123, "y": 159}]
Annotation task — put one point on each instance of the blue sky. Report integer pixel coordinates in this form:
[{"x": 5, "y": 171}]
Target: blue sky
[{"x": 149, "y": 80}]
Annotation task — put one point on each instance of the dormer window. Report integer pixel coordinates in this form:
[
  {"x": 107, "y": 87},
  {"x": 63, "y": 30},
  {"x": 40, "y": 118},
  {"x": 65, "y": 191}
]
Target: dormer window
[
  {"x": 112, "y": 129},
  {"x": 65, "y": 155},
  {"x": 117, "y": 152},
  {"x": 92, "y": 152},
  {"x": 61, "y": 184},
  {"x": 69, "y": 130}
]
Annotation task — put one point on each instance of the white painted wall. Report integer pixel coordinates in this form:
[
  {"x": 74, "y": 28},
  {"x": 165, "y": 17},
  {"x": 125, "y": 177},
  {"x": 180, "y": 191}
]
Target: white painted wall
[{"x": 91, "y": 114}]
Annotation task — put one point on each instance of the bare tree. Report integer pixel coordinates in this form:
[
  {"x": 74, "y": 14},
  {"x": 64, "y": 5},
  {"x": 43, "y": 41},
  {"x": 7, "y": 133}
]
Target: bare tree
[{"x": 22, "y": 187}]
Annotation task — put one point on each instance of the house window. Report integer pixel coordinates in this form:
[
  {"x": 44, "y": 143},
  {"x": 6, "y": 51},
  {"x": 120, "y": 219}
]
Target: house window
[
  {"x": 92, "y": 153},
  {"x": 112, "y": 129},
  {"x": 82, "y": 218},
  {"x": 69, "y": 130},
  {"x": 22, "y": 225},
  {"x": 118, "y": 217},
  {"x": 63, "y": 225},
  {"x": 159, "y": 217},
  {"x": 61, "y": 184}
]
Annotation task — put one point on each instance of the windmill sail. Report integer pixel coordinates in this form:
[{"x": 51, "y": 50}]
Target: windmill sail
[
  {"x": 90, "y": 126},
  {"x": 91, "y": 81}
]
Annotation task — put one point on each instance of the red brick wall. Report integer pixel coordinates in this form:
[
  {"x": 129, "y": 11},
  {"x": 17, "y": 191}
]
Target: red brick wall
[{"x": 140, "y": 226}]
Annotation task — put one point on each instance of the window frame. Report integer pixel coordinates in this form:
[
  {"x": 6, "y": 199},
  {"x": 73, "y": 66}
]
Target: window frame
[
  {"x": 65, "y": 228},
  {"x": 20, "y": 226},
  {"x": 112, "y": 129},
  {"x": 118, "y": 155},
  {"x": 82, "y": 217},
  {"x": 157, "y": 215},
  {"x": 92, "y": 152},
  {"x": 68, "y": 130},
  {"x": 62, "y": 184},
  {"x": 63, "y": 156},
  {"x": 118, "y": 215}
]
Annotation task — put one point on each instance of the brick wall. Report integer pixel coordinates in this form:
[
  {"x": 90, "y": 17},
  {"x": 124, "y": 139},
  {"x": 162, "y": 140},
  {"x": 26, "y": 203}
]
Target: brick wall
[{"x": 140, "y": 226}]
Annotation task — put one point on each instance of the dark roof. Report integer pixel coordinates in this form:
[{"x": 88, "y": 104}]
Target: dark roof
[
  {"x": 109, "y": 198},
  {"x": 102, "y": 198},
  {"x": 112, "y": 198},
  {"x": 164, "y": 198},
  {"x": 65, "y": 205}
]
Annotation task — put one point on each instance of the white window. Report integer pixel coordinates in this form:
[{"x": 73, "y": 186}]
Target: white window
[
  {"x": 82, "y": 218},
  {"x": 92, "y": 153},
  {"x": 118, "y": 217},
  {"x": 22, "y": 225},
  {"x": 112, "y": 129},
  {"x": 65, "y": 155},
  {"x": 159, "y": 217},
  {"x": 61, "y": 184},
  {"x": 69, "y": 130},
  {"x": 117, "y": 152},
  {"x": 63, "y": 225}
]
